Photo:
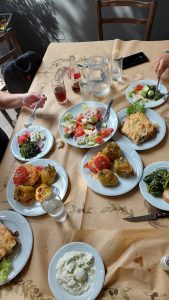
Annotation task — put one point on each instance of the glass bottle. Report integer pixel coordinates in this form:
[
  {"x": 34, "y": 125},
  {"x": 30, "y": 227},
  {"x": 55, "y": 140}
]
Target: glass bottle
[{"x": 74, "y": 74}]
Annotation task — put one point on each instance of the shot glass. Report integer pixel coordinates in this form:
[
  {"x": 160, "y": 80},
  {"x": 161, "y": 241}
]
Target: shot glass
[
  {"x": 116, "y": 69},
  {"x": 58, "y": 87},
  {"x": 55, "y": 208}
]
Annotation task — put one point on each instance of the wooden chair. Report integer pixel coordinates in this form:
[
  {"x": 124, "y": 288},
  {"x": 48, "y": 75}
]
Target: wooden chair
[
  {"x": 13, "y": 51},
  {"x": 150, "y": 6}
]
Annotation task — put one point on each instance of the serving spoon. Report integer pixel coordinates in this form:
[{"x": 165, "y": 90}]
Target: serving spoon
[{"x": 106, "y": 116}]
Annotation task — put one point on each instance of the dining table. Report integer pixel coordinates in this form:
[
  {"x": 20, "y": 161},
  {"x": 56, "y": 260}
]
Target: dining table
[{"x": 131, "y": 251}]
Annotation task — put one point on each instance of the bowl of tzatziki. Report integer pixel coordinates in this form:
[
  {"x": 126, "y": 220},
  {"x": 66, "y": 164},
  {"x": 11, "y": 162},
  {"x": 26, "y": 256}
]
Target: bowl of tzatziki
[{"x": 76, "y": 271}]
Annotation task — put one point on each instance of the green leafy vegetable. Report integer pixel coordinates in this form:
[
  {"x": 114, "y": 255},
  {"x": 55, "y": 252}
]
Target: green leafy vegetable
[
  {"x": 29, "y": 149},
  {"x": 135, "y": 107},
  {"x": 157, "y": 182},
  {"x": 5, "y": 269}
]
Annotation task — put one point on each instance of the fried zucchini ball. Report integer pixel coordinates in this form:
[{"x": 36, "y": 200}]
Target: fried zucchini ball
[
  {"x": 112, "y": 151},
  {"x": 107, "y": 178},
  {"x": 122, "y": 167}
]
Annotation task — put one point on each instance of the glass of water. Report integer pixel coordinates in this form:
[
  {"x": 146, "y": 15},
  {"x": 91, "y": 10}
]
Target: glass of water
[
  {"x": 86, "y": 88},
  {"x": 116, "y": 69},
  {"x": 55, "y": 208}
]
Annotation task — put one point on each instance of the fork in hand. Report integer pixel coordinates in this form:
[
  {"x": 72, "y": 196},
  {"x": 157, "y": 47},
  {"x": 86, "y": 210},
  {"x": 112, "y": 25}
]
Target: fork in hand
[
  {"x": 106, "y": 116},
  {"x": 31, "y": 118}
]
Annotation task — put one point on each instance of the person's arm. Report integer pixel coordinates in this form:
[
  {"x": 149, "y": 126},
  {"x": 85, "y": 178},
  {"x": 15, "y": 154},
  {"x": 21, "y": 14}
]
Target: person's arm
[
  {"x": 8, "y": 100},
  {"x": 162, "y": 64}
]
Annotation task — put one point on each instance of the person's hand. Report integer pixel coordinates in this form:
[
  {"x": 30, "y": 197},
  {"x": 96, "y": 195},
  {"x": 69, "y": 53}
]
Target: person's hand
[
  {"x": 161, "y": 64},
  {"x": 29, "y": 100}
]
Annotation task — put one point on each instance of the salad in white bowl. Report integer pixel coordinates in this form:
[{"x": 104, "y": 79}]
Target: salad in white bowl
[{"x": 78, "y": 125}]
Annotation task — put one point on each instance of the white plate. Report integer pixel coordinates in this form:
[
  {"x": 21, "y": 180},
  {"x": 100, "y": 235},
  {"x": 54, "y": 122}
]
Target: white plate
[
  {"x": 125, "y": 184},
  {"x": 20, "y": 255},
  {"x": 48, "y": 143},
  {"x": 75, "y": 110},
  {"x": 36, "y": 209},
  {"x": 155, "y": 118},
  {"x": 96, "y": 285},
  {"x": 150, "y": 103},
  {"x": 155, "y": 201}
]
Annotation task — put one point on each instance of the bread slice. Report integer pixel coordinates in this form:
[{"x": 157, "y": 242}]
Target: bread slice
[
  {"x": 166, "y": 195},
  {"x": 138, "y": 128}
]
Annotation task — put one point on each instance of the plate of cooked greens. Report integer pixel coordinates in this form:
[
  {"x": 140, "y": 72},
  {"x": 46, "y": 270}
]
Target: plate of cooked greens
[
  {"x": 154, "y": 184},
  {"x": 144, "y": 91},
  {"x": 32, "y": 142}
]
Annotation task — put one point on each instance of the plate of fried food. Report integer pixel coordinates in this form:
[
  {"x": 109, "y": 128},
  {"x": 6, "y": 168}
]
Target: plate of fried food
[
  {"x": 16, "y": 241},
  {"x": 33, "y": 182},
  {"x": 145, "y": 92},
  {"x": 140, "y": 127},
  {"x": 112, "y": 169}
]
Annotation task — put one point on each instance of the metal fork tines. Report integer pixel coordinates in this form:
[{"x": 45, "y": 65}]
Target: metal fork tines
[{"x": 106, "y": 116}]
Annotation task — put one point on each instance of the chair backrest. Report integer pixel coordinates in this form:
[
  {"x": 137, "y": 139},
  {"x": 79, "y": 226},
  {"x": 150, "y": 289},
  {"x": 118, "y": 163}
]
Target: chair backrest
[
  {"x": 13, "y": 49},
  {"x": 150, "y": 6}
]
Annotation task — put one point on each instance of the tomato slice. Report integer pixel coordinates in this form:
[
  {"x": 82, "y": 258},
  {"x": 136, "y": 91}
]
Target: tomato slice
[
  {"x": 79, "y": 131},
  {"x": 99, "y": 115},
  {"x": 23, "y": 138},
  {"x": 79, "y": 118},
  {"x": 138, "y": 88},
  {"x": 105, "y": 132},
  {"x": 99, "y": 140},
  {"x": 20, "y": 175}
]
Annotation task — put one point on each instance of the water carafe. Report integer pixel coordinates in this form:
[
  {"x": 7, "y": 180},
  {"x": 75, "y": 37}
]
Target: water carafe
[{"x": 100, "y": 75}]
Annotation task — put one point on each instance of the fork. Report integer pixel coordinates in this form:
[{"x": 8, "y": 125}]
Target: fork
[
  {"x": 157, "y": 84},
  {"x": 31, "y": 118},
  {"x": 106, "y": 116}
]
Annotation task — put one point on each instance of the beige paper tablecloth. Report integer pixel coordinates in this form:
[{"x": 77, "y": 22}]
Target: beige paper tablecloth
[{"x": 86, "y": 209}]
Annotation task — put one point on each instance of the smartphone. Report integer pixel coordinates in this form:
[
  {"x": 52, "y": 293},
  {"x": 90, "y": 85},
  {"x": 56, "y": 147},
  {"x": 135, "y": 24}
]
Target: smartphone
[{"x": 134, "y": 60}]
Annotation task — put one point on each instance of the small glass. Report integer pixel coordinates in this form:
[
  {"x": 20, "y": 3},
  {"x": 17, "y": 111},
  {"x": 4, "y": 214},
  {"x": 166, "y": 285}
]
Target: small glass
[
  {"x": 55, "y": 208},
  {"x": 116, "y": 69},
  {"x": 58, "y": 87},
  {"x": 74, "y": 74}
]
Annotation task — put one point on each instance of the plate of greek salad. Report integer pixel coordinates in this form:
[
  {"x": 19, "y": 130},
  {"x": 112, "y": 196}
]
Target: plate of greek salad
[
  {"x": 144, "y": 91},
  {"x": 78, "y": 124},
  {"x": 32, "y": 142}
]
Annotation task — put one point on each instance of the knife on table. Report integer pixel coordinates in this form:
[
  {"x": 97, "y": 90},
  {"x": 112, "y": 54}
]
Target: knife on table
[{"x": 149, "y": 217}]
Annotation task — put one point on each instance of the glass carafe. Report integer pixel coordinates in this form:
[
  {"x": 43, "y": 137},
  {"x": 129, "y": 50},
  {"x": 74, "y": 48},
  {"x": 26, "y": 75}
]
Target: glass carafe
[{"x": 99, "y": 73}]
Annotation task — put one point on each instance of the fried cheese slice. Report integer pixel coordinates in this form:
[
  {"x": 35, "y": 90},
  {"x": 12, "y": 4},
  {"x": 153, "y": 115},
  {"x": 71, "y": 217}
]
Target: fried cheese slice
[
  {"x": 7, "y": 241},
  {"x": 138, "y": 128}
]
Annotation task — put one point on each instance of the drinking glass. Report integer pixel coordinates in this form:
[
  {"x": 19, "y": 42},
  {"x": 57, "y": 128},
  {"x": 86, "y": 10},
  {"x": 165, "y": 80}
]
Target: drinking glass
[
  {"x": 116, "y": 69},
  {"x": 55, "y": 208},
  {"x": 58, "y": 87},
  {"x": 86, "y": 88}
]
